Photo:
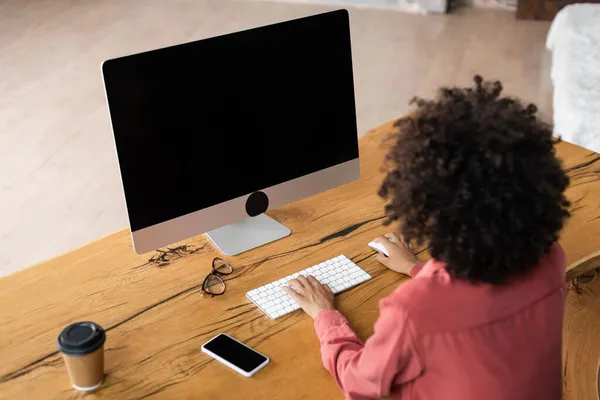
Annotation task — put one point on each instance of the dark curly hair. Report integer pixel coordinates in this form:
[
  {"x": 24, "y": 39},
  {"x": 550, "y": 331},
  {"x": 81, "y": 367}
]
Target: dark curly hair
[{"x": 475, "y": 176}]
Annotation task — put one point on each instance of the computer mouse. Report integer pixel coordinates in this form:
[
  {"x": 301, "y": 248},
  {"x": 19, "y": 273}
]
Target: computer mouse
[{"x": 378, "y": 247}]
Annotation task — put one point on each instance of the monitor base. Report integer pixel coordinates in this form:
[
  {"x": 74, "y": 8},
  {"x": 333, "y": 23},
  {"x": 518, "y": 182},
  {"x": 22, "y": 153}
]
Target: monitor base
[{"x": 247, "y": 234}]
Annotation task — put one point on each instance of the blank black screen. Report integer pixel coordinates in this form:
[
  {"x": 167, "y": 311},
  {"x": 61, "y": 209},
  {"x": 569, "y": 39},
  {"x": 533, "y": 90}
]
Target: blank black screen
[
  {"x": 235, "y": 353},
  {"x": 204, "y": 122}
]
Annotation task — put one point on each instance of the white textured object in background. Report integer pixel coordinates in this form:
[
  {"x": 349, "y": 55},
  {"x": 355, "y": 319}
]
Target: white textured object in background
[{"x": 574, "y": 39}]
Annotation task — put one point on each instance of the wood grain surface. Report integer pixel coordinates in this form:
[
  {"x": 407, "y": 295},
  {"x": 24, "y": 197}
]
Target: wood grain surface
[
  {"x": 581, "y": 334},
  {"x": 156, "y": 320}
]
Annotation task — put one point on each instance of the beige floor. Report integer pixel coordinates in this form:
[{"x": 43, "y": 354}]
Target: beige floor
[{"x": 59, "y": 181}]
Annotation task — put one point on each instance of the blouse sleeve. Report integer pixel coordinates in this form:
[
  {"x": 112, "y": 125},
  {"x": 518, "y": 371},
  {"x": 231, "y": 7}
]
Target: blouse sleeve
[{"x": 369, "y": 370}]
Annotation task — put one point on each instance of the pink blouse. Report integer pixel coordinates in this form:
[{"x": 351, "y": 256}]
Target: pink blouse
[{"x": 444, "y": 338}]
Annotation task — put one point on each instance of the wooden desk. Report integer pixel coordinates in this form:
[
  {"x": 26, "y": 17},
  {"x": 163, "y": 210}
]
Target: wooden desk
[{"x": 157, "y": 321}]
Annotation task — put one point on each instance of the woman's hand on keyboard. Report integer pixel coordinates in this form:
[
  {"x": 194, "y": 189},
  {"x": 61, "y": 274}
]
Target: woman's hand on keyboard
[
  {"x": 311, "y": 295},
  {"x": 402, "y": 259}
]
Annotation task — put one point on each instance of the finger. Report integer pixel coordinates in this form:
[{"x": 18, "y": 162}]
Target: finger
[
  {"x": 399, "y": 239},
  {"x": 406, "y": 243},
  {"x": 383, "y": 241},
  {"x": 382, "y": 259},
  {"x": 298, "y": 282},
  {"x": 328, "y": 288},
  {"x": 314, "y": 282},
  {"x": 393, "y": 237},
  {"x": 297, "y": 285},
  {"x": 292, "y": 293},
  {"x": 308, "y": 286}
]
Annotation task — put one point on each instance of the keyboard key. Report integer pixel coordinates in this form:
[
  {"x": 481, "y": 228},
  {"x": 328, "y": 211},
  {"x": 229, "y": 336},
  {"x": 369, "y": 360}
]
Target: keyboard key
[
  {"x": 268, "y": 304},
  {"x": 274, "y": 308}
]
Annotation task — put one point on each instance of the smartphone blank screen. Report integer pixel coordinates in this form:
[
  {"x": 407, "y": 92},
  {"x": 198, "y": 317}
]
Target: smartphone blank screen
[{"x": 236, "y": 353}]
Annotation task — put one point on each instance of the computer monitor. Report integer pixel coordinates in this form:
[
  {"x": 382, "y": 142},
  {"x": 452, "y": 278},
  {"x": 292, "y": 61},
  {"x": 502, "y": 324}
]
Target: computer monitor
[{"x": 213, "y": 133}]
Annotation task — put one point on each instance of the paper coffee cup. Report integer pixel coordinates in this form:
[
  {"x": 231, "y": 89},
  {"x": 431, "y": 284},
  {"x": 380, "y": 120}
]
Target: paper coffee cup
[{"x": 82, "y": 347}]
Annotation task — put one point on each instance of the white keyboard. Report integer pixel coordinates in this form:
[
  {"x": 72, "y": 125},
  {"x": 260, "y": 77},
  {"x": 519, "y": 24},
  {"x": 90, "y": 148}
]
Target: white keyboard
[{"x": 339, "y": 273}]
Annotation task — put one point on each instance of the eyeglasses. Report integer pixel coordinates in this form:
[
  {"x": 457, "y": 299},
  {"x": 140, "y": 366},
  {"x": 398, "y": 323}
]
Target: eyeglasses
[{"x": 213, "y": 285}]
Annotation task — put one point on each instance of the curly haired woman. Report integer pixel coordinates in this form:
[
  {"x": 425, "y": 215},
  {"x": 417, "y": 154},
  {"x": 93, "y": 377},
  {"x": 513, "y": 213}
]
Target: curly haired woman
[{"x": 475, "y": 177}]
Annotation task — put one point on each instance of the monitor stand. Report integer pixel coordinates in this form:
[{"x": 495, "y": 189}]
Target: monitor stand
[{"x": 247, "y": 234}]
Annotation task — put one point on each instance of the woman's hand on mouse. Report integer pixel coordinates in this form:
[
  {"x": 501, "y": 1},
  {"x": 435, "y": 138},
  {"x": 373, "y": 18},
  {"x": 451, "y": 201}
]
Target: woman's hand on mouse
[
  {"x": 310, "y": 294},
  {"x": 401, "y": 257}
]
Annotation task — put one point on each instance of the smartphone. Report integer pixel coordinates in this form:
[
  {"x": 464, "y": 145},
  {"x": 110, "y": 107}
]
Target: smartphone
[{"x": 235, "y": 354}]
